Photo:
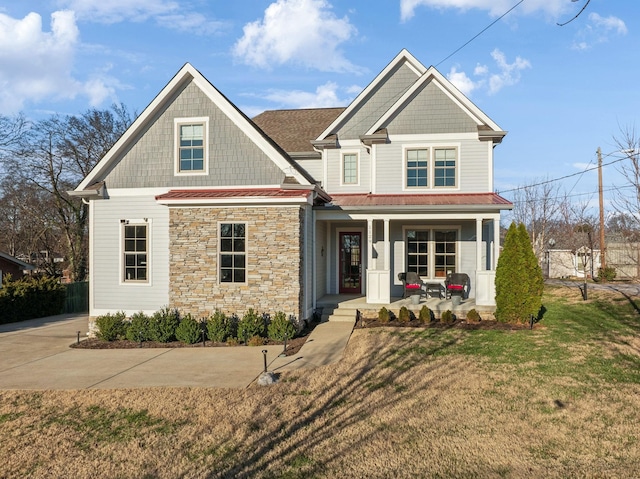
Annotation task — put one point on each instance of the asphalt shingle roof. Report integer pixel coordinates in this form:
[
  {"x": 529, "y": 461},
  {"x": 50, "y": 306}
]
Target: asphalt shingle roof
[{"x": 293, "y": 130}]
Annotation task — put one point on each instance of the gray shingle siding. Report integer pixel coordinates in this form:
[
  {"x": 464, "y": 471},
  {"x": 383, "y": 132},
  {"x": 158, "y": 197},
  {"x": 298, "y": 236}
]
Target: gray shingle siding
[
  {"x": 380, "y": 100},
  {"x": 234, "y": 160},
  {"x": 431, "y": 111}
]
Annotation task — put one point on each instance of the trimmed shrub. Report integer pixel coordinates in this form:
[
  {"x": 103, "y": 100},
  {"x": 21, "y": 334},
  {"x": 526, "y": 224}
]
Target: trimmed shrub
[
  {"x": 606, "y": 274},
  {"x": 138, "y": 329},
  {"x": 404, "y": 315},
  {"x": 111, "y": 326},
  {"x": 519, "y": 280},
  {"x": 220, "y": 327},
  {"x": 280, "y": 328},
  {"x": 383, "y": 315},
  {"x": 189, "y": 330},
  {"x": 251, "y": 325},
  {"x": 473, "y": 316},
  {"x": 163, "y": 325},
  {"x": 447, "y": 317},
  {"x": 425, "y": 315},
  {"x": 30, "y": 297}
]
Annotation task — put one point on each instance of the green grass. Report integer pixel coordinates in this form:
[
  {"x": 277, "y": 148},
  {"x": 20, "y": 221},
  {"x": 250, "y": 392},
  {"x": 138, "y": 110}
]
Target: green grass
[{"x": 585, "y": 341}]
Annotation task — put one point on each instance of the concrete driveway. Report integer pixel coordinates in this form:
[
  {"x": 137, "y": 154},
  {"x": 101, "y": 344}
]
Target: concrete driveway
[{"x": 35, "y": 354}]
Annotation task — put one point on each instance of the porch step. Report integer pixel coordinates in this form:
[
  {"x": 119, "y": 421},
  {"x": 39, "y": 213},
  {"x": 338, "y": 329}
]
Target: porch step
[{"x": 338, "y": 314}]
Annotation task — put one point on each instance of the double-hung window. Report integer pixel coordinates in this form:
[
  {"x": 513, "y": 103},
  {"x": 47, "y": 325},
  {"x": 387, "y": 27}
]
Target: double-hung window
[
  {"x": 418, "y": 168},
  {"x": 432, "y": 167},
  {"x": 445, "y": 252},
  {"x": 350, "y": 169},
  {"x": 418, "y": 252},
  {"x": 233, "y": 252},
  {"x": 444, "y": 167},
  {"x": 191, "y": 145},
  {"x": 135, "y": 253}
]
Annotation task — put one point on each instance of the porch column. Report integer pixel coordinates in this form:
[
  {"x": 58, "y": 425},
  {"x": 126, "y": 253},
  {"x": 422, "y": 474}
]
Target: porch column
[
  {"x": 479, "y": 245},
  {"x": 370, "y": 259},
  {"x": 496, "y": 243},
  {"x": 387, "y": 246}
]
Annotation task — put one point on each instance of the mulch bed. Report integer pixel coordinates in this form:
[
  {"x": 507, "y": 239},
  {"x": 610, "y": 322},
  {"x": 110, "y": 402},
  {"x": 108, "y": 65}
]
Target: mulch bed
[
  {"x": 458, "y": 324},
  {"x": 293, "y": 345}
]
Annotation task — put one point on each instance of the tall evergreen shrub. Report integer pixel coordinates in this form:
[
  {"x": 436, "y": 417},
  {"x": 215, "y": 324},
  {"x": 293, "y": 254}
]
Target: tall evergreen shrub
[{"x": 519, "y": 281}]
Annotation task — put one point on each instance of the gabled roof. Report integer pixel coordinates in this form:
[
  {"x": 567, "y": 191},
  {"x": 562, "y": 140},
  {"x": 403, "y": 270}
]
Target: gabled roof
[
  {"x": 16, "y": 261},
  {"x": 433, "y": 75},
  {"x": 189, "y": 74},
  {"x": 294, "y": 130},
  {"x": 403, "y": 57},
  {"x": 433, "y": 201}
]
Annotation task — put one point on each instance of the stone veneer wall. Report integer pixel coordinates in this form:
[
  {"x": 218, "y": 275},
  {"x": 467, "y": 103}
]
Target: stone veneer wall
[{"x": 274, "y": 260}]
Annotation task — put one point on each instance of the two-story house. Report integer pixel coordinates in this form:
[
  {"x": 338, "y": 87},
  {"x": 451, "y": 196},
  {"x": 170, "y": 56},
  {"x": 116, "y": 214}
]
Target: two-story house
[{"x": 200, "y": 208}]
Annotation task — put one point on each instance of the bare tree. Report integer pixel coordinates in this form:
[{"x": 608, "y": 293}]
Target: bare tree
[{"x": 60, "y": 152}]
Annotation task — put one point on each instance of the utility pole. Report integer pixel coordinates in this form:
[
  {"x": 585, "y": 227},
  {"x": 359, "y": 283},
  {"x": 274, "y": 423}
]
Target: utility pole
[{"x": 603, "y": 263}]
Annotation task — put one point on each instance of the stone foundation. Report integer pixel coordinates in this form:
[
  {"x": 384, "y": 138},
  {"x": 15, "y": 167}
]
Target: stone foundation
[{"x": 273, "y": 260}]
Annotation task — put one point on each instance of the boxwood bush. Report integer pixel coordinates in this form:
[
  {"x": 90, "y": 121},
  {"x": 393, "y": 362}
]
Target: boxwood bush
[
  {"x": 138, "y": 329},
  {"x": 163, "y": 325},
  {"x": 189, "y": 330},
  {"x": 251, "y": 324},
  {"x": 221, "y": 327},
  {"x": 111, "y": 326},
  {"x": 280, "y": 328}
]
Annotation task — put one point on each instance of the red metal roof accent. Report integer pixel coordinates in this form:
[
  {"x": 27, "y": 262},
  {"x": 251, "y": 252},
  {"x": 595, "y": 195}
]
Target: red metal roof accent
[
  {"x": 439, "y": 199},
  {"x": 232, "y": 193}
]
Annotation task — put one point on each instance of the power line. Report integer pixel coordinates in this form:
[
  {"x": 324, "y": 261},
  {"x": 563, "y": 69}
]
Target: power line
[
  {"x": 484, "y": 30},
  {"x": 562, "y": 177},
  {"x": 561, "y": 197}
]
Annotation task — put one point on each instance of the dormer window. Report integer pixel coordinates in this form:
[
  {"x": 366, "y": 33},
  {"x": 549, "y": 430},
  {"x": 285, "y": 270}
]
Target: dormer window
[{"x": 191, "y": 146}]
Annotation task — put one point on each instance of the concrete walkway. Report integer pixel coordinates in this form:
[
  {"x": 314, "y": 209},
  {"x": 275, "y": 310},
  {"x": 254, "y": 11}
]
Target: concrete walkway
[{"x": 35, "y": 354}]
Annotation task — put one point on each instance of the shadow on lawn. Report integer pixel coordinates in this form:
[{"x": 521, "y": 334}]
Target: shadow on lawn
[{"x": 333, "y": 408}]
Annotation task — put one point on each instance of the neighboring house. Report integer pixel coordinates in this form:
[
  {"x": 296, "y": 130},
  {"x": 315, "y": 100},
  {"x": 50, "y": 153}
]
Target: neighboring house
[
  {"x": 566, "y": 263},
  {"x": 200, "y": 208},
  {"x": 12, "y": 266}
]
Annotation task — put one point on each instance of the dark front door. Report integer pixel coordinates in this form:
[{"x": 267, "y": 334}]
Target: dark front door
[{"x": 350, "y": 263}]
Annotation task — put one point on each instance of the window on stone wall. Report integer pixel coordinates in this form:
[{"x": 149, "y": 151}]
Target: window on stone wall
[
  {"x": 233, "y": 253},
  {"x": 135, "y": 253}
]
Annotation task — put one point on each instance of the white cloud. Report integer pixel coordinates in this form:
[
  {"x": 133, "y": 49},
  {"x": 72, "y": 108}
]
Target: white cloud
[
  {"x": 495, "y": 8},
  {"x": 326, "y": 95},
  {"x": 507, "y": 74},
  {"x": 166, "y": 13},
  {"x": 599, "y": 30},
  {"x": 461, "y": 81},
  {"x": 302, "y": 32}
]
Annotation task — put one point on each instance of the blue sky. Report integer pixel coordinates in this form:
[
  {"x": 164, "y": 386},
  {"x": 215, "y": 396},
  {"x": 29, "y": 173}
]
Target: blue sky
[{"x": 560, "y": 91}]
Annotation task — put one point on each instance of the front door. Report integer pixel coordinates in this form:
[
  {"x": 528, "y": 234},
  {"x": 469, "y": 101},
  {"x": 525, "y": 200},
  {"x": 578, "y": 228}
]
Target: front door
[{"x": 350, "y": 263}]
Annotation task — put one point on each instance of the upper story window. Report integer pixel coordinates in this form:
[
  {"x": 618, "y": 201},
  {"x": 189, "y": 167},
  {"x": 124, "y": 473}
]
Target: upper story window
[
  {"x": 135, "y": 253},
  {"x": 233, "y": 252},
  {"x": 418, "y": 168},
  {"x": 432, "y": 167},
  {"x": 444, "y": 167},
  {"x": 350, "y": 169},
  {"x": 191, "y": 145}
]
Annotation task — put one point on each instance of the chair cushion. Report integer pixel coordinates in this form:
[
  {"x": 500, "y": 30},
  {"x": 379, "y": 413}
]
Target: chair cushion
[
  {"x": 412, "y": 286},
  {"x": 456, "y": 287}
]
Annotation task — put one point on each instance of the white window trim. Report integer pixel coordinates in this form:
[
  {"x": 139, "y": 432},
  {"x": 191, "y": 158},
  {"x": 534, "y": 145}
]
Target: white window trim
[
  {"x": 342, "y": 155},
  {"x": 430, "y": 147},
  {"x": 132, "y": 222},
  {"x": 177, "y": 122},
  {"x": 431, "y": 261},
  {"x": 457, "y": 168},
  {"x": 246, "y": 255}
]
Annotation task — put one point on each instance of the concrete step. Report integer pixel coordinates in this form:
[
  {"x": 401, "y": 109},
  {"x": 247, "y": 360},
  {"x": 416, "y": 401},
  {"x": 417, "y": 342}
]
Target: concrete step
[{"x": 338, "y": 314}]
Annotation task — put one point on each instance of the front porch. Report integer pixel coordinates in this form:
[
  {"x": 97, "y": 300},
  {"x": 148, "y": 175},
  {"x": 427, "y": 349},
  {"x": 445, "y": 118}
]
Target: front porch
[{"x": 342, "y": 305}]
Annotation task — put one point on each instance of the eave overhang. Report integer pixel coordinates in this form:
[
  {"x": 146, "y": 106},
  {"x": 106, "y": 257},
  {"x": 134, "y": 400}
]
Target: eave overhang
[{"x": 96, "y": 191}]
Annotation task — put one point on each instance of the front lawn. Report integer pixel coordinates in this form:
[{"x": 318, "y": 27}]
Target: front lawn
[{"x": 562, "y": 400}]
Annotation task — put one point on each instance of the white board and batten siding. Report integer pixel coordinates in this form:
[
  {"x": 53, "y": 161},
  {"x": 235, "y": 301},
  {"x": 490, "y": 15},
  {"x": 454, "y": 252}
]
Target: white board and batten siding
[{"x": 109, "y": 292}]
